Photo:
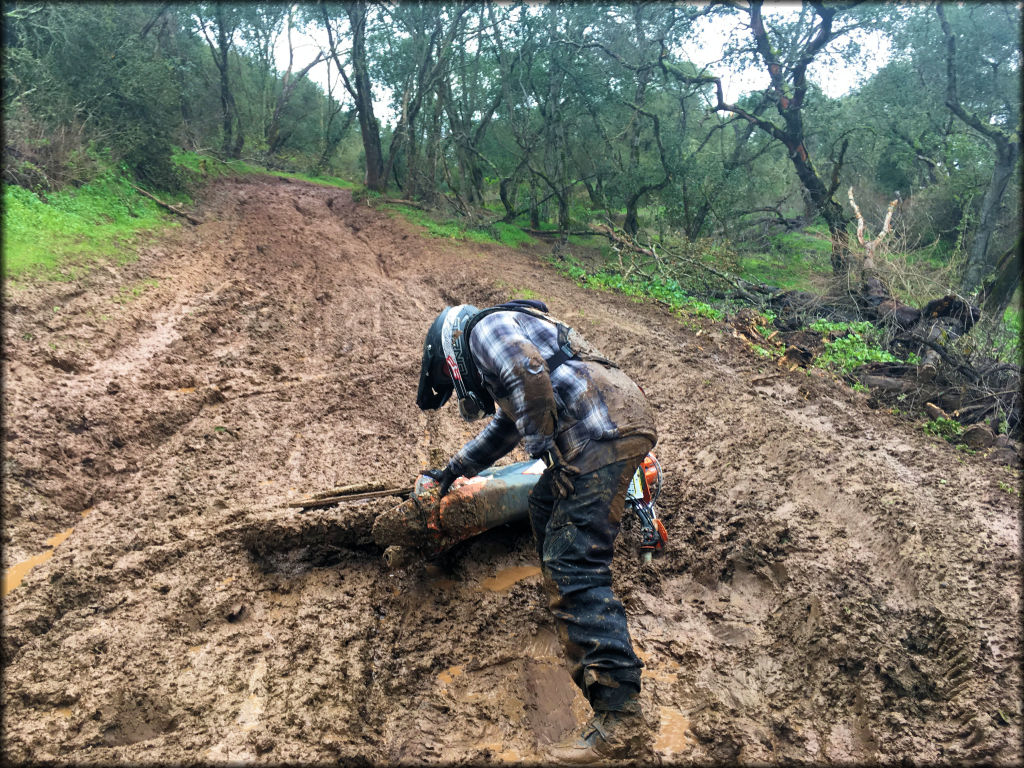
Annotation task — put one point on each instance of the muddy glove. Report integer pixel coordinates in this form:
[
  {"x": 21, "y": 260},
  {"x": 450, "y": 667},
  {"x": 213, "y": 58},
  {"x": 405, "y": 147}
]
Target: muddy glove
[
  {"x": 445, "y": 477},
  {"x": 562, "y": 475}
]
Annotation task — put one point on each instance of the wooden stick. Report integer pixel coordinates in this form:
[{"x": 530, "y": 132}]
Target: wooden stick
[
  {"x": 330, "y": 501},
  {"x": 168, "y": 206}
]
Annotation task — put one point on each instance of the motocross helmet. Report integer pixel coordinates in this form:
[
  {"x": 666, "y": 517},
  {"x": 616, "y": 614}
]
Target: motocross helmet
[{"x": 447, "y": 366}]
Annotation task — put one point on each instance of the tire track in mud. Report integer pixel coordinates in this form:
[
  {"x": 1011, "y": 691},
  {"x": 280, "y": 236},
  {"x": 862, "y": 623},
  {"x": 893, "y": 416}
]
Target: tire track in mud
[{"x": 824, "y": 598}]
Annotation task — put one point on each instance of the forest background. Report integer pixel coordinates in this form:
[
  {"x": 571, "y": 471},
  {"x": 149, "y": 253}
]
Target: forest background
[{"x": 580, "y": 125}]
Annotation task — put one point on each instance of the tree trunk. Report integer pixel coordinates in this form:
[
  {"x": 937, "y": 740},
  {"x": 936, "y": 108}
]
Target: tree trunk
[
  {"x": 368, "y": 125},
  {"x": 426, "y": 182},
  {"x": 359, "y": 88},
  {"x": 288, "y": 84},
  {"x": 632, "y": 223},
  {"x": 534, "y": 208},
  {"x": 227, "y": 101},
  {"x": 998, "y": 289},
  {"x": 821, "y": 198},
  {"x": 979, "y": 264},
  {"x": 236, "y": 147},
  {"x": 788, "y": 100},
  {"x": 506, "y": 200}
]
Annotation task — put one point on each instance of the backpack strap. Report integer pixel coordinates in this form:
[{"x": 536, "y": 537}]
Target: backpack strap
[{"x": 537, "y": 309}]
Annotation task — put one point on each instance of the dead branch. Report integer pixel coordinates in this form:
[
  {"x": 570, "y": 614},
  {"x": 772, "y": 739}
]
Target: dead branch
[
  {"x": 871, "y": 246},
  {"x": 410, "y": 203},
  {"x": 556, "y": 233},
  {"x": 621, "y": 240},
  {"x": 168, "y": 206}
]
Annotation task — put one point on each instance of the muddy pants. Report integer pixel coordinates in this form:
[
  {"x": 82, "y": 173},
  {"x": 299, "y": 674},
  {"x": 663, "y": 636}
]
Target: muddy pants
[{"x": 575, "y": 538}]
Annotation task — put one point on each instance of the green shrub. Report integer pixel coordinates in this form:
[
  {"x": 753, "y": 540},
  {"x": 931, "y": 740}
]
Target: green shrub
[
  {"x": 944, "y": 428},
  {"x": 851, "y": 345}
]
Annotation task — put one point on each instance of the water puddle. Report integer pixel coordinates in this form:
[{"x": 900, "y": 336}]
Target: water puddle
[
  {"x": 164, "y": 333},
  {"x": 501, "y": 754},
  {"x": 14, "y": 575},
  {"x": 504, "y": 579},
  {"x": 451, "y": 673},
  {"x": 674, "y": 735}
]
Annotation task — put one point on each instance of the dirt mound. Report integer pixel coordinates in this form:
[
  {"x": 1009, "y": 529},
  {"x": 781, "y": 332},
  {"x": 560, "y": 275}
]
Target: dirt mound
[{"x": 838, "y": 587}]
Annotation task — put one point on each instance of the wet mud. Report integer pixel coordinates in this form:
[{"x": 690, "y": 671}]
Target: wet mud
[{"x": 838, "y": 586}]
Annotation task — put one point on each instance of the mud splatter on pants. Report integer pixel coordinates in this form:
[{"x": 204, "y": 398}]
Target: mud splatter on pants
[{"x": 575, "y": 539}]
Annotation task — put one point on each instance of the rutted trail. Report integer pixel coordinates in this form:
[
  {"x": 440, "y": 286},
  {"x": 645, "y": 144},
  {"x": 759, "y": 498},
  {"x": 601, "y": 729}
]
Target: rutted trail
[{"x": 839, "y": 586}]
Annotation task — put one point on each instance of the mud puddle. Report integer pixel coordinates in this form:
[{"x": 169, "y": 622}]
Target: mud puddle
[
  {"x": 14, "y": 575},
  {"x": 505, "y": 578}
]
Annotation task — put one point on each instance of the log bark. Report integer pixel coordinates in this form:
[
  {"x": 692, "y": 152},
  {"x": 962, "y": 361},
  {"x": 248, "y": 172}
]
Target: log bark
[
  {"x": 410, "y": 203},
  {"x": 888, "y": 384}
]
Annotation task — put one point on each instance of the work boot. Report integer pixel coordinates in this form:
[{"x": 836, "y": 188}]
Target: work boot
[{"x": 606, "y": 736}]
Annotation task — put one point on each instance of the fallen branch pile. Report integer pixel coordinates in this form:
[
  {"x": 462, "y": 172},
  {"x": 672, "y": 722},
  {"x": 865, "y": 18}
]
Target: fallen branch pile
[{"x": 950, "y": 375}]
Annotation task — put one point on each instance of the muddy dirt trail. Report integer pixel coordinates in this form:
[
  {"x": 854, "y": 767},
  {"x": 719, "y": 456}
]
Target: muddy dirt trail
[{"x": 839, "y": 586}]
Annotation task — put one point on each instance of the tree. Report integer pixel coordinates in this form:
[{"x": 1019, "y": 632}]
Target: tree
[
  {"x": 75, "y": 72},
  {"x": 220, "y": 21},
  {"x": 289, "y": 80},
  {"x": 786, "y": 50},
  {"x": 630, "y": 42},
  {"x": 419, "y": 61},
  {"x": 998, "y": 288},
  {"x": 358, "y": 85},
  {"x": 470, "y": 95},
  {"x": 999, "y": 122}
]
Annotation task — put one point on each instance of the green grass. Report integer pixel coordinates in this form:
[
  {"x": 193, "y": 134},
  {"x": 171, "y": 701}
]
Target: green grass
[
  {"x": 326, "y": 181},
  {"x": 505, "y": 234},
  {"x": 58, "y": 238},
  {"x": 1012, "y": 322},
  {"x": 512, "y": 236},
  {"x": 668, "y": 291},
  {"x": 204, "y": 166},
  {"x": 791, "y": 260}
]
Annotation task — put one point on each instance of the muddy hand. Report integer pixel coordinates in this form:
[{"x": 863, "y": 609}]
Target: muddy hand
[
  {"x": 563, "y": 476},
  {"x": 445, "y": 477}
]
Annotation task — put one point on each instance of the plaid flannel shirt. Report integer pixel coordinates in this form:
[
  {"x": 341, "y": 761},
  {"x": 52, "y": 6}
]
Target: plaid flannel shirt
[{"x": 569, "y": 407}]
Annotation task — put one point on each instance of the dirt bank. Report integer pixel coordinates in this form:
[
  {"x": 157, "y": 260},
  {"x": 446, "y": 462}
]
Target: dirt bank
[{"x": 839, "y": 586}]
